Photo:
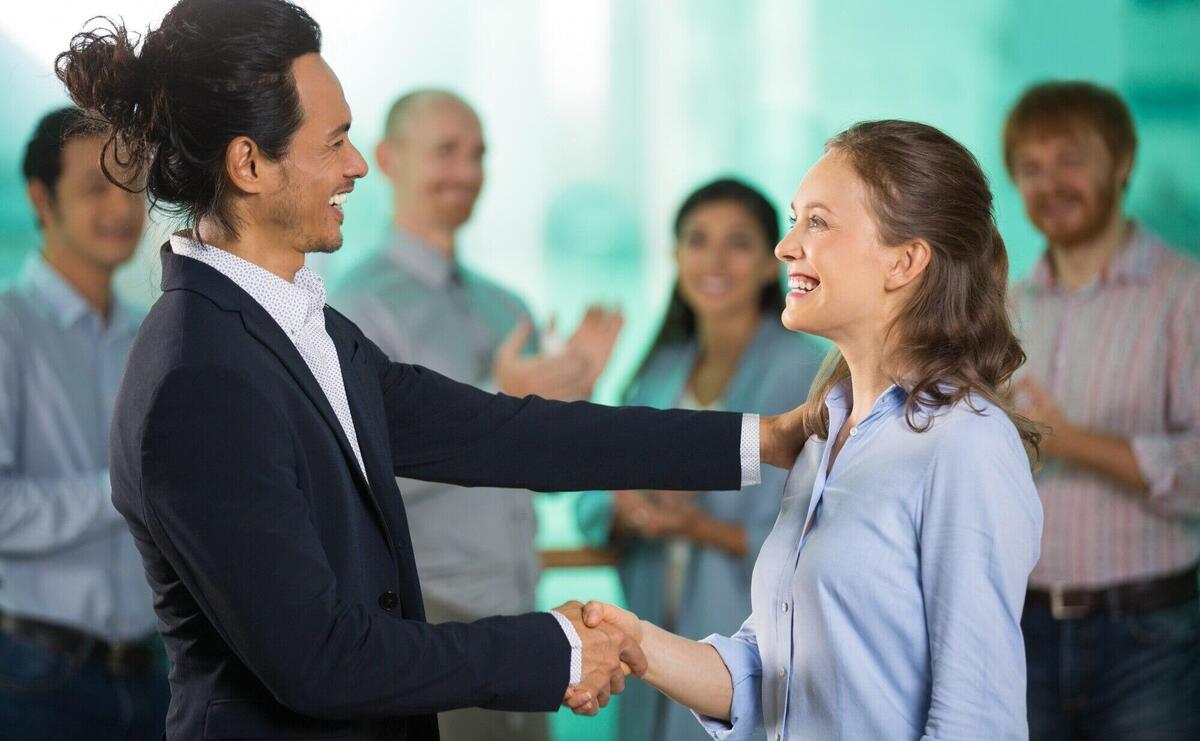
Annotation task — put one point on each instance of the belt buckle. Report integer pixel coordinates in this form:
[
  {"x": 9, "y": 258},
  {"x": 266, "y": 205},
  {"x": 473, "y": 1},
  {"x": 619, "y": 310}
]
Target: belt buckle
[
  {"x": 1060, "y": 610},
  {"x": 118, "y": 652}
]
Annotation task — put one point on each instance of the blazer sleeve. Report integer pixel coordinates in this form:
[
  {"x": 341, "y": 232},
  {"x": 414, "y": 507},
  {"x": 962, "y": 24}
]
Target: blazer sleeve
[
  {"x": 223, "y": 504},
  {"x": 441, "y": 430}
]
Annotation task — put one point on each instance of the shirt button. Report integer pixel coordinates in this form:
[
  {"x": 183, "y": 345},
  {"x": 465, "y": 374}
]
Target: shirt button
[
  {"x": 388, "y": 600},
  {"x": 853, "y": 431},
  {"x": 782, "y": 673},
  {"x": 784, "y": 607}
]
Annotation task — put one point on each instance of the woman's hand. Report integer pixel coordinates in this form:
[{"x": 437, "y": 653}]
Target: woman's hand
[
  {"x": 690, "y": 673},
  {"x": 596, "y": 614}
]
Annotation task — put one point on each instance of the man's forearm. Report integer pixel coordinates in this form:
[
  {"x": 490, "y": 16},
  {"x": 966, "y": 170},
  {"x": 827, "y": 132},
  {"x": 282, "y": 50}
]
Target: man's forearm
[
  {"x": 690, "y": 673},
  {"x": 1105, "y": 454}
]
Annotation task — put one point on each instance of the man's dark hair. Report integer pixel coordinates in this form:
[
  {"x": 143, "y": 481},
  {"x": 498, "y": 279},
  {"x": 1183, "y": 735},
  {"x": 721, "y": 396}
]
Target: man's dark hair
[
  {"x": 212, "y": 71},
  {"x": 43, "y": 153}
]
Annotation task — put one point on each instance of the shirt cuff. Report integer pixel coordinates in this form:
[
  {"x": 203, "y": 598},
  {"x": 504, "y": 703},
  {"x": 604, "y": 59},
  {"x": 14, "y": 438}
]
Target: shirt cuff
[
  {"x": 1155, "y": 457},
  {"x": 751, "y": 451},
  {"x": 745, "y": 711},
  {"x": 576, "y": 647}
]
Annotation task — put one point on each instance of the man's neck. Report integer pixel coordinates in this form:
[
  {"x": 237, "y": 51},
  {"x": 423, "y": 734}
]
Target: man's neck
[
  {"x": 266, "y": 251},
  {"x": 1079, "y": 264},
  {"x": 91, "y": 281},
  {"x": 438, "y": 236}
]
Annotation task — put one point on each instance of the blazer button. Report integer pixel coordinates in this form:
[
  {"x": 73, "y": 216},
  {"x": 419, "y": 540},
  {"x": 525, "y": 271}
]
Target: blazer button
[{"x": 388, "y": 600}]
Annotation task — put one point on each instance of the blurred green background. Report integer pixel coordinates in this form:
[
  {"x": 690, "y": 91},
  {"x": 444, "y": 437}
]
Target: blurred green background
[{"x": 602, "y": 114}]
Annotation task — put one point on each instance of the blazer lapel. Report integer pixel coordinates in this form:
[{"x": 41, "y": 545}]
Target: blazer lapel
[{"x": 263, "y": 328}]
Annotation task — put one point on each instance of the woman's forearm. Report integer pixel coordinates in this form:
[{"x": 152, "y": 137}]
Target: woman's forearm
[{"x": 690, "y": 673}]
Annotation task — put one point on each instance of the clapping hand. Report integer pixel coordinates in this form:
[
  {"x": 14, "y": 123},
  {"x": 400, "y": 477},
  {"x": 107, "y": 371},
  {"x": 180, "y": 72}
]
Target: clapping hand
[
  {"x": 566, "y": 373},
  {"x": 600, "y": 616},
  {"x": 655, "y": 514},
  {"x": 608, "y": 655}
]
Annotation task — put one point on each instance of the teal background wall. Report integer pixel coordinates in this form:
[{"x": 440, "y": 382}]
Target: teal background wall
[{"x": 602, "y": 114}]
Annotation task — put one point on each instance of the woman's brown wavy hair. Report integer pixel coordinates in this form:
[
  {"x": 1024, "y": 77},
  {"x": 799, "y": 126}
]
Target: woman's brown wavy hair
[{"x": 954, "y": 337}]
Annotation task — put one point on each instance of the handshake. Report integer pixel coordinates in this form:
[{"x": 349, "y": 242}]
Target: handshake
[{"x": 611, "y": 651}]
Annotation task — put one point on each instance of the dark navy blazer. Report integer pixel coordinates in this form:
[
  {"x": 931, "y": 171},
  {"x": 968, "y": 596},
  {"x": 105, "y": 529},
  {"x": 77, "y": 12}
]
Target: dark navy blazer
[{"x": 284, "y": 580}]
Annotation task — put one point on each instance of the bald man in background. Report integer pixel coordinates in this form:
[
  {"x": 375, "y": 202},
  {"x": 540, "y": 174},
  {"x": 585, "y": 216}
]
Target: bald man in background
[{"x": 474, "y": 546}]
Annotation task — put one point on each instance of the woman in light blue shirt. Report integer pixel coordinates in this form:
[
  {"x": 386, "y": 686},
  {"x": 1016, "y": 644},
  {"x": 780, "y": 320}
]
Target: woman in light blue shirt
[
  {"x": 686, "y": 559},
  {"x": 887, "y": 599}
]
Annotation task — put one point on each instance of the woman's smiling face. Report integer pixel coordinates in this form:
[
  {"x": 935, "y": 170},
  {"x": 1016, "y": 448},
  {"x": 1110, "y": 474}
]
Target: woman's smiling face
[{"x": 835, "y": 263}]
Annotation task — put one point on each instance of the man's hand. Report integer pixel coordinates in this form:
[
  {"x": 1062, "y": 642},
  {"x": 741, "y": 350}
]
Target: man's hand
[
  {"x": 782, "y": 437},
  {"x": 563, "y": 376},
  {"x": 608, "y": 655},
  {"x": 594, "y": 339},
  {"x": 1035, "y": 402},
  {"x": 602, "y": 616}
]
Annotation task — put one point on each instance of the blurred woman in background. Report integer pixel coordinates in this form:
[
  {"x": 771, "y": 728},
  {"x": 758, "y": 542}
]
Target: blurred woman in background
[{"x": 686, "y": 558}]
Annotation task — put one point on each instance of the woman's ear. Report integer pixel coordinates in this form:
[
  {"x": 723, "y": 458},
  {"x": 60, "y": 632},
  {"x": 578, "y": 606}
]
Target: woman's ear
[{"x": 908, "y": 261}]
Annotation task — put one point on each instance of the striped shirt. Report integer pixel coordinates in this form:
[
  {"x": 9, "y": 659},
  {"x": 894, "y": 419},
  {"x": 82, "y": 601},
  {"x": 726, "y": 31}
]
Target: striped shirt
[{"x": 1121, "y": 356}]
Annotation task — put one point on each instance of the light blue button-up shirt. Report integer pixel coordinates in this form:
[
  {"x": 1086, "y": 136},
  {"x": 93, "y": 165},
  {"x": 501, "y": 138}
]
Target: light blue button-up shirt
[
  {"x": 898, "y": 615},
  {"x": 66, "y": 555}
]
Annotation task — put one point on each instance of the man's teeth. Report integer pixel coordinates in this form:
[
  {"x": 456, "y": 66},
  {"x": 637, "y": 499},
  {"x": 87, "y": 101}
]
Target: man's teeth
[
  {"x": 803, "y": 285},
  {"x": 338, "y": 200}
]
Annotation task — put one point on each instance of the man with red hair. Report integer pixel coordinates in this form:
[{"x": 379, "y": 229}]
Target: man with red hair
[{"x": 1110, "y": 319}]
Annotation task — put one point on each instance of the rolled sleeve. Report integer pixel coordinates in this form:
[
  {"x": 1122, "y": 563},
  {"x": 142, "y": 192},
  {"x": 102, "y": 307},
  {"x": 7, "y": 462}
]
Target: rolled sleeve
[
  {"x": 1170, "y": 465},
  {"x": 751, "y": 451},
  {"x": 741, "y": 657},
  {"x": 1169, "y": 459}
]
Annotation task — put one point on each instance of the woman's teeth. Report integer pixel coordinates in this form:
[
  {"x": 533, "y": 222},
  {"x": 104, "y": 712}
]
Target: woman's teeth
[
  {"x": 713, "y": 285},
  {"x": 803, "y": 285}
]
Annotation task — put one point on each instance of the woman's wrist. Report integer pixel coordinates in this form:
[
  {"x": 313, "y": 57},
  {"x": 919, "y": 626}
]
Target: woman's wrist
[{"x": 651, "y": 646}]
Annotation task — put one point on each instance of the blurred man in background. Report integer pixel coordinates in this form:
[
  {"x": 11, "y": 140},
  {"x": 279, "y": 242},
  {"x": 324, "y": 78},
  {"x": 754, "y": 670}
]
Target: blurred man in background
[
  {"x": 1110, "y": 319},
  {"x": 78, "y": 654},
  {"x": 474, "y": 547}
]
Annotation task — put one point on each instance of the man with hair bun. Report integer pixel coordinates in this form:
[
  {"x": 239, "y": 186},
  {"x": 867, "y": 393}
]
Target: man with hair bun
[
  {"x": 258, "y": 432},
  {"x": 79, "y": 658},
  {"x": 1110, "y": 319}
]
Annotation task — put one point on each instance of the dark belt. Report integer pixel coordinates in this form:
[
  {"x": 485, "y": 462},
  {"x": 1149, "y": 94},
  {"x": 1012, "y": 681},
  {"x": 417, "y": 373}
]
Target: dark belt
[
  {"x": 121, "y": 658},
  {"x": 1132, "y": 597}
]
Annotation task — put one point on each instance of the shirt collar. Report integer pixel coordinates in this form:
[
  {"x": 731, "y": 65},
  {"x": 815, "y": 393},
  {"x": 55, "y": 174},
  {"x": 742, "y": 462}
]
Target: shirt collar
[
  {"x": 840, "y": 398},
  {"x": 420, "y": 259},
  {"x": 291, "y": 304},
  {"x": 1133, "y": 262},
  {"x": 65, "y": 303}
]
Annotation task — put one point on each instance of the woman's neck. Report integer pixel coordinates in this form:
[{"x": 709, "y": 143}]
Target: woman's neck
[
  {"x": 721, "y": 341},
  {"x": 870, "y": 376}
]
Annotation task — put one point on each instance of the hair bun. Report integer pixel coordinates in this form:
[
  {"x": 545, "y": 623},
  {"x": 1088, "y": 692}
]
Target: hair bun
[{"x": 105, "y": 77}]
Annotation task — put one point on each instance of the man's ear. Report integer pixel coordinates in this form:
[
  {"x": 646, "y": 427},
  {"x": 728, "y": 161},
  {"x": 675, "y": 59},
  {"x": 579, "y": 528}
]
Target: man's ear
[
  {"x": 246, "y": 167},
  {"x": 1125, "y": 170},
  {"x": 42, "y": 200},
  {"x": 908, "y": 261},
  {"x": 385, "y": 157}
]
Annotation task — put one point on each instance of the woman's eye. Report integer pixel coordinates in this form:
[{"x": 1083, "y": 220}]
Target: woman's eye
[{"x": 816, "y": 222}]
